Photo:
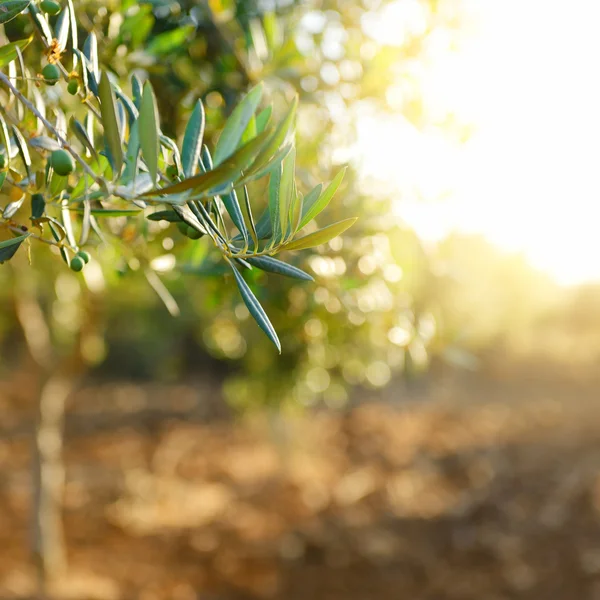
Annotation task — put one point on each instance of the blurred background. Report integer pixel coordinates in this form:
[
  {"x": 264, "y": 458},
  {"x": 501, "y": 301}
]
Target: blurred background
[{"x": 430, "y": 429}]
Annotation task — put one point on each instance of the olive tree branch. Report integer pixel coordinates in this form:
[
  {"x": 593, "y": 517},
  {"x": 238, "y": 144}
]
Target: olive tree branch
[{"x": 64, "y": 143}]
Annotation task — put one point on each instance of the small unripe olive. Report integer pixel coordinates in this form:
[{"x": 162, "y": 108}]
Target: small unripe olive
[
  {"x": 183, "y": 227},
  {"x": 84, "y": 256},
  {"x": 172, "y": 172},
  {"x": 193, "y": 233},
  {"x": 62, "y": 162},
  {"x": 51, "y": 73},
  {"x": 73, "y": 87},
  {"x": 50, "y": 7},
  {"x": 77, "y": 263}
]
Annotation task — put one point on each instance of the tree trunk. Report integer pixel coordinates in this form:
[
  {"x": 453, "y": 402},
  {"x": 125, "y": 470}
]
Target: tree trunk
[{"x": 48, "y": 482}]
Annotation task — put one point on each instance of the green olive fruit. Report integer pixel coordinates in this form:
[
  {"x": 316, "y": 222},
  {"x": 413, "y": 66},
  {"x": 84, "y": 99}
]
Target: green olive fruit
[
  {"x": 193, "y": 233},
  {"x": 172, "y": 172},
  {"x": 77, "y": 263},
  {"x": 183, "y": 227},
  {"x": 73, "y": 87},
  {"x": 51, "y": 74},
  {"x": 84, "y": 255},
  {"x": 50, "y": 7},
  {"x": 62, "y": 162}
]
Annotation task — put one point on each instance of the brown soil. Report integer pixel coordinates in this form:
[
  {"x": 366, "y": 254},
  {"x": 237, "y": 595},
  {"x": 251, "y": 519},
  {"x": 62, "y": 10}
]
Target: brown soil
[{"x": 483, "y": 489}]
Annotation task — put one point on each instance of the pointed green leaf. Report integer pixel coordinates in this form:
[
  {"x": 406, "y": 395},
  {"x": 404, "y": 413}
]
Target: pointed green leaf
[
  {"x": 263, "y": 118},
  {"x": 86, "y": 219},
  {"x": 56, "y": 228},
  {"x": 136, "y": 90},
  {"x": 67, "y": 223},
  {"x": 39, "y": 21},
  {"x": 226, "y": 173},
  {"x": 38, "y": 206},
  {"x": 255, "y": 309},
  {"x": 192, "y": 140},
  {"x": 259, "y": 171},
  {"x": 286, "y": 190},
  {"x": 61, "y": 30},
  {"x": 132, "y": 154},
  {"x": 140, "y": 184},
  {"x": 8, "y": 248},
  {"x": 85, "y": 73},
  {"x": 23, "y": 149},
  {"x": 167, "y": 41},
  {"x": 321, "y": 236},
  {"x": 57, "y": 185},
  {"x": 272, "y": 265},
  {"x": 168, "y": 143},
  {"x": 248, "y": 218},
  {"x": 295, "y": 211},
  {"x": 132, "y": 111},
  {"x": 80, "y": 133},
  {"x": 4, "y": 136},
  {"x": 206, "y": 158},
  {"x": 250, "y": 131},
  {"x": 310, "y": 199},
  {"x": 233, "y": 208},
  {"x": 44, "y": 142},
  {"x": 149, "y": 130},
  {"x": 90, "y": 50},
  {"x": 280, "y": 136},
  {"x": 73, "y": 27},
  {"x": 108, "y": 110},
  {"x": 314, "y": 205},
  {"x": 8, "y": 52},
  {"x": 164, "y": 215},
  {"x": 12, "y": 207},
  {"x": 9, "y": 10},
  {"x": 274, "y": 200},
  {"x": 236, "y": 124},
  {"x": 110, "y": 212},
  {"x": 263, "y": 225}
]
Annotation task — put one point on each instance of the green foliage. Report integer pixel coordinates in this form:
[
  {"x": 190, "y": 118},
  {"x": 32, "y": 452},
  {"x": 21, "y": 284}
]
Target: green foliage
[
  {"x": 97, "y": 181},
  {"x": 9, "y": 10}
]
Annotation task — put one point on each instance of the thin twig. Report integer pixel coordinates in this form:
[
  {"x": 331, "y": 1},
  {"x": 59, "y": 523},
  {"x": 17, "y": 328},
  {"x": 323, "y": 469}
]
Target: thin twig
[
  {"x": 64, "y": 143},
  {"x": 32, "y": 235}
]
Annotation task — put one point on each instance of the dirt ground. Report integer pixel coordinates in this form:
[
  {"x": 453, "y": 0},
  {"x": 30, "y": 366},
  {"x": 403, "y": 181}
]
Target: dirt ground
[{"x": 474, "y": 488}]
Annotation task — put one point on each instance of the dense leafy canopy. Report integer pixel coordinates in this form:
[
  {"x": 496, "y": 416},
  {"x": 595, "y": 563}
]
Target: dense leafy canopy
[{"x": 116, "y": 161}]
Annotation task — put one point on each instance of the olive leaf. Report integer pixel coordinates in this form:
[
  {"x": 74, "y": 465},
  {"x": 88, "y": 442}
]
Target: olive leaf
[
  {"x": 315, "y": 204},
  {"x": 9, "y": 52},
  {"x": 274, "y": 191},
  {"x": 232, "y": 206},
  {"x": 226, "y": 173},
  {"x": 321, "y": 236},
  {"x": 9, "y": 247},
  {"x": 286, "y": 190},
  {"x": 192, "y": 140},
  {"x": 236, "y": 124},
  {"x": 255, "y": 309},
  {"x": 149, "y": 130},
  {"x": 9, "y": 10},
  {"x": 273, "y": 265},
  {"x": 108, "y": 110}
]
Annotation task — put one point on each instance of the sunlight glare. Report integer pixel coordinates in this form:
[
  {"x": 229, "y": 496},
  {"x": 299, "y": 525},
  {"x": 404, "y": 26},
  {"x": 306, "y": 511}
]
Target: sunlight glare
[{"x": 525, "y": 81}]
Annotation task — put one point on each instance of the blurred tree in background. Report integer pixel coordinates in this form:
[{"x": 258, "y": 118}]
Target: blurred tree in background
[
  {"x": 372, "y": 312},
  {"x": 97, "y": 154},
  {"x": 384, "y": 302}
]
